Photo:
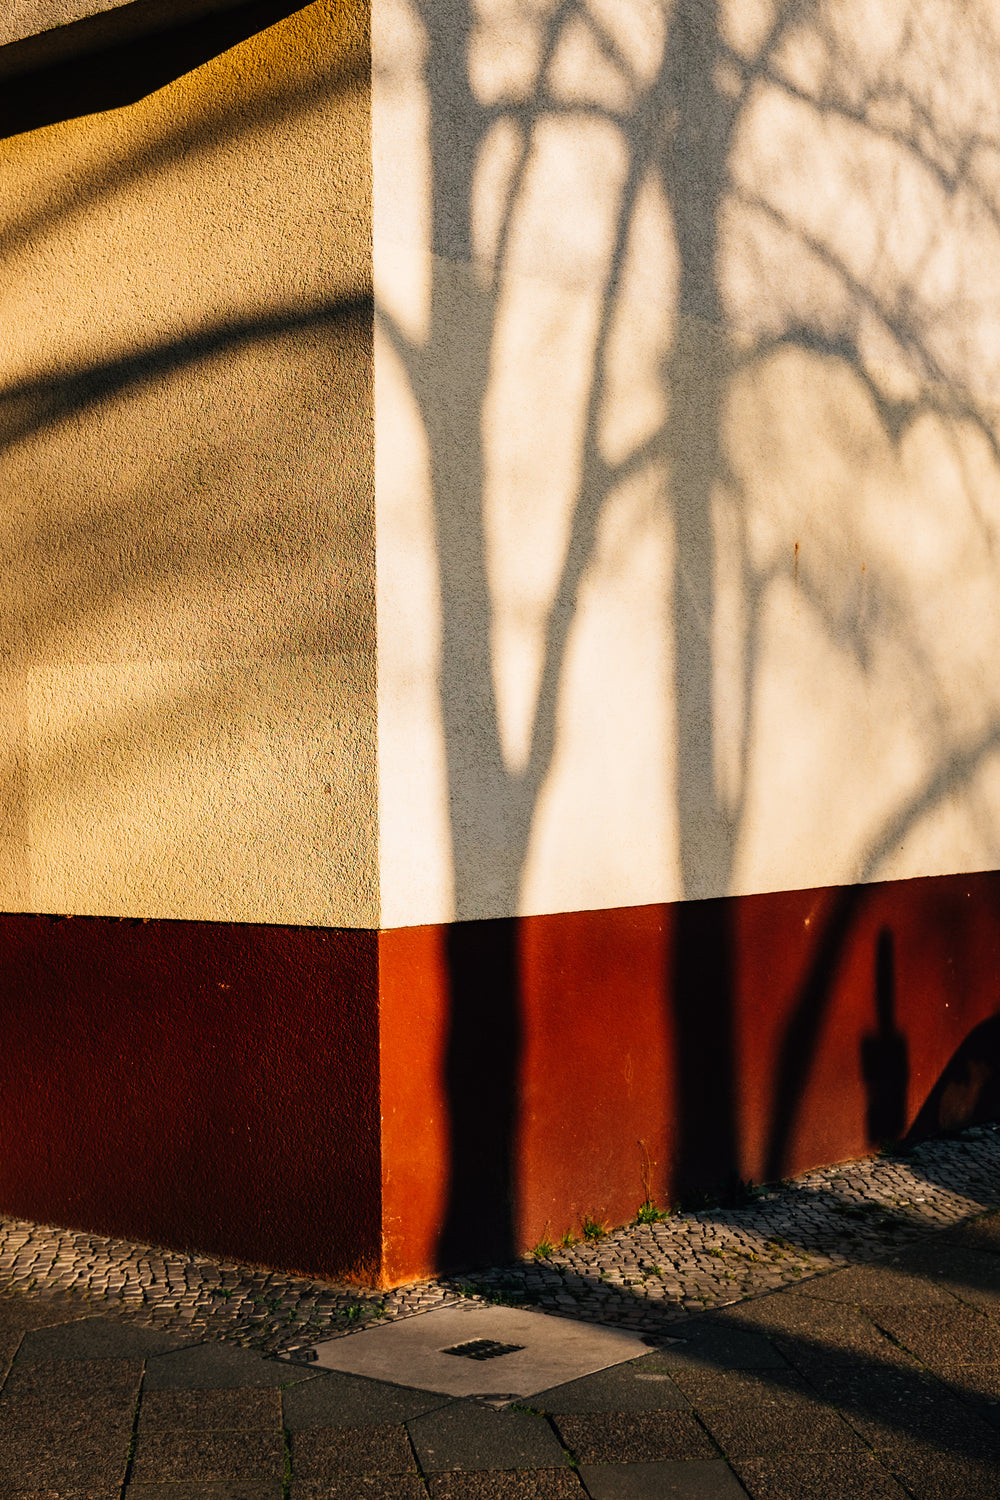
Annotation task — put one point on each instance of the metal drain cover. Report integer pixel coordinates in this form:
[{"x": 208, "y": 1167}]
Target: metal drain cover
[
  {"x": 483, "y": 1349},
  {"x": 505, "y": 1352}
]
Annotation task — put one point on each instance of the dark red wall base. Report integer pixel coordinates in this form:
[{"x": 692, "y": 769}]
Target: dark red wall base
[
  {"x": 385, "y": 1106},
  {"x": 198, "y": 1085},
  {"x": 535, "y": 1072}
]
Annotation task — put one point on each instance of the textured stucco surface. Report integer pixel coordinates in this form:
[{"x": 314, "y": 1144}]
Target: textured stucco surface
[
  {"x": 188, "y": 597},
  {"x": 688, "y": 483}
]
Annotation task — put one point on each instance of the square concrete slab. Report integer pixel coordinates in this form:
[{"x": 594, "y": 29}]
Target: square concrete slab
[
  {"x": 219, "y": 1410},
  {"x": 96, "y": 1338},
  {"x": 695, "y": 1479},
  {"x": 205, "y": 1367},
  {"x": 507, "y": 1484},
  {"x": 335, "y": 1400},
  {"x": 634, "y": 1437},
  {"x": 184, "y": 1457},
  {"x": 332, "y": 1452},
  {"x": 500, "y": 1352},
  {"x": 635, "y": 1386},
  {"x": 830, "y": 1477},
  {"x": 357, "y": 1487},
  {"x": 251, "y": 1489},
  {"x": 465, "y": 1435}
]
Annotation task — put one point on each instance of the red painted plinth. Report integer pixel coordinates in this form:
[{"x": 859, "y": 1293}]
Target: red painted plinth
[{"x": 383, "y": 1106}]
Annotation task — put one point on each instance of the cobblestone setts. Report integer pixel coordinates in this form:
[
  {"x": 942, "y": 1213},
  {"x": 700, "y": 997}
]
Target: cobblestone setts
[{"x": 641, "y": 1277}]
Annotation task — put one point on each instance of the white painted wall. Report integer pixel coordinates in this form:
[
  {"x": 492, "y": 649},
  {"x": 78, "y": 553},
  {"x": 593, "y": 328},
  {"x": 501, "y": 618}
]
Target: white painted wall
[{"x": 699, "y": 312}]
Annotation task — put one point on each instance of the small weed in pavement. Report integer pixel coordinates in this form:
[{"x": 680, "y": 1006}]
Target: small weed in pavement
[
  {"x": 648, "y": 1213},
  {"x": 593, "y": 1229}
]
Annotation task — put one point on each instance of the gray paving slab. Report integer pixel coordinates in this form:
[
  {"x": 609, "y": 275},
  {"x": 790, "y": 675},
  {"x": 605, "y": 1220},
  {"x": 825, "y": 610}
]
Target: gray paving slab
[
  {"x": 639, "y": 1385},
  {"x": 56, "y": 1378},
  {"x": 633, "y": 1437},
  {"x": 95, "y": 1338},
  {"x": 695, "y": 1479},
  {"x": 254, "y": 1489},
  {"x": 108, "y": 1411},
  {"x": 86, "y": 1492},
  {"x": 49, "y": 1458},
  {"x": 954, "y": 1335},
  {"x": 335, "y": 1400},
  {"x": 763, "y": 1432},
  {"x": 175, "y": 1457},
  {"x": 218, "y": 1366},
  {"x": 359, "y": 1487},
  {"x": 326, "y": 1453},
  {"x": 509, "y": 1484},
  {"x": 220, "y": 1410},
  {"x": 893, "y": 1284},
  {"x": 833, "y": 1476},
  {"x": 954, "y": 1271},
  {"x": 808, "y": 1331},
  {"x": 709, "y": 1344},
  {"x": 20, "y": 1311},
  {"x": 929, "y": 1474},
  {"x": 465, "y": 1435},
  {"x": 742, "y": 1387}
]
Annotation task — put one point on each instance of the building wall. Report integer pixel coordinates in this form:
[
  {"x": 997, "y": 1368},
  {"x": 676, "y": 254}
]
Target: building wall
[
  {"x": 188, "y": 673},
  {"x": 687, "y": 463}
]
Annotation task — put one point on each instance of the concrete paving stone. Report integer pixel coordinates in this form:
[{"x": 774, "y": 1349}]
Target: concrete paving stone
[
  {"x": 50, "y": 1457},
  {"x": 951, "y": 1336},
  {"x": 465, "y": 1435},
  {"x": 706, "y": 1344},
  {"x": 73, "y": 1377},
  {"x": 977, "y": 1385},
  {"x": 742, "y": 1387},
  {"x": 360, "y": 1487},
  {"x": 335, "y": 1400},
  {"x": 971, "y": 1276},
  {"x": 211, "y": 1410},
  {"x": 19, "y": 1313},
  {"x": 980, "y": 1233},
  {"x": 246, "y": 1489},
  {"x": 164, "y": 1457},
  {"x": 95, "y": 1338},
  {"x": 203, "y": 1367},
  {"x": 833, "y": 1476},
  {"x": 805, "y": 1327},
  {"x": 891, "y": 1285},
  {"x": 639, "y": 1385},
  {"x": 88, "y": 1492},
  {"x": 749, "y": 1432},
  {"x": 929, "y": 1474},
  {"x": 941, "y": 1419},
  {"x": 331, "y": 1452},
  {"x": 633, "y": 1437},
  {"x": 507, "y": 1484},
  {"x": 691, "y": 1479},
  {"x": 110, "y": 1411}
]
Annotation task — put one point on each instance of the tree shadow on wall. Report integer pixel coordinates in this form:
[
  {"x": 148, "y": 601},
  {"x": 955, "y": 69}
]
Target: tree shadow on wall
[{"x": 681, "y": 128}]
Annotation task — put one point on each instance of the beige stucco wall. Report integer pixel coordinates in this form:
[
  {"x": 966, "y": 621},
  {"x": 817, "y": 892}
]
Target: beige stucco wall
[
  {"x": 687, "y": 448},
  {"x": 188, "y": 658}
]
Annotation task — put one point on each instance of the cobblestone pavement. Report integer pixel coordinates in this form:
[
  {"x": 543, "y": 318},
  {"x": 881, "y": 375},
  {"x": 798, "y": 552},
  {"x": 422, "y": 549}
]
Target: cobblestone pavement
[{"x": 642, "y": 1277}]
